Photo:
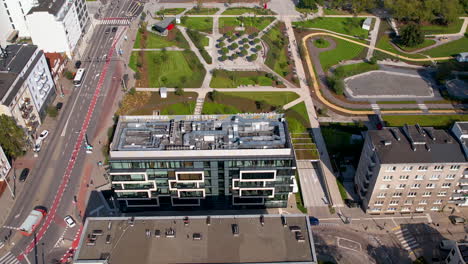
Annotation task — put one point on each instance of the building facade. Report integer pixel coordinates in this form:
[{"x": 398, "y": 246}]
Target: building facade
[
  {"x": 409, "y": 169},
  {"x": 460, "y": 195},
  {"x": 26, "y": 87},
  {"x": 212, "y": 161},
  {"x": 13, "y": 20},
  {"x": 65, "y": 20},
  {"x": 5, "y": 165}
]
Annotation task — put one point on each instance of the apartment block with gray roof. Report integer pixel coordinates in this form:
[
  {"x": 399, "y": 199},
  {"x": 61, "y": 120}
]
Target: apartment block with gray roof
[
  {"x": 215, "y": 161},
  {"x": 409, "y": 169},
  {"x": 26, "y": 85},
  {"x": 460, "y": 195}
]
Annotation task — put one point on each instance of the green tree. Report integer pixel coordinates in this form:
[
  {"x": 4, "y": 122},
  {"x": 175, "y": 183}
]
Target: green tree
[
  {"x": 261, "y": 104},
  {"x": 258, "y": 47},
  {"x": 52, "y": 111},
  {"x": 213, "y": 95},
  {"x": 311, "y": 4},
  {"x": 12, "y": 137},
  {"x": 411, "y": 35},
  {"x": 179, "y": 91},
  {"x": 68, "y": 74},
  {"x": 224, "y": 50},
  {"x": 252, "y": 57},
  {"x": 132, "y": 91}
]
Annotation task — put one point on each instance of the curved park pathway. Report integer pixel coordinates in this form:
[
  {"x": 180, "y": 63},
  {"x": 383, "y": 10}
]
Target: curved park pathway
[{"x": 310, "y": 58}]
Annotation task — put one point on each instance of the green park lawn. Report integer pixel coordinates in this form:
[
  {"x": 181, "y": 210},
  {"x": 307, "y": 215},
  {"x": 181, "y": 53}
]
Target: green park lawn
[
  {"x": 353, "y": 69},
  {"x": 426, "y": 43},
  {"x": 277, "y": 58},
  {"x": 245, "y": 102},
  {"x": 450, "y": 49},
  {"x": 202, "y": 11},
  {"x": 145, "y": 103},
  {"x": 442, "y": 29},
  {"x": 170, "y": 69},
  {"x": 251, "y": 24},
  {"x": 349, "y": 25},
  {"x": 204, "y": 24},
  {"x": 234, "y": 79},
  {"x": 384, "y": 43},
  {"x": 344, "y": 51},
  {"x": 170, "y": 11},
  {"x": 155, "y": 41},
  {"x": 442, "y": 121},
  {"x": 321, "y": 43},
  {"x": 200, "y": 41},
  {"x": 244, "y": 10}
]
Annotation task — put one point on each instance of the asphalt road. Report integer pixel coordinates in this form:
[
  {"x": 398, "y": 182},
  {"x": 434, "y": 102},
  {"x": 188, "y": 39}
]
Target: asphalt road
[{"x": 54, "y": 158}]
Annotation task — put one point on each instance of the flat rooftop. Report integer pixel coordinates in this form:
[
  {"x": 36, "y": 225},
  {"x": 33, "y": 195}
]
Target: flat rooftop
[
  {"x": 415, "y": 144},
  {"x": 150, "y": 136},
  {"x": 170, "y": 240}
]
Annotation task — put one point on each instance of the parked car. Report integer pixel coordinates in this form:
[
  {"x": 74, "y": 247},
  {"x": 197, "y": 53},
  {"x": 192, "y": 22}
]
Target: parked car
[
  {"x": 78, "y": 64},
  {"x": 37, "y": 145},
  {"x": 114, "y": 29},
  {"x": 107, "y": 30},
  {"x": 456, "y": 219},
  {"x": 43, "y": 134},
  {"x": 69, "y": 221},
  {"x": 24, "y": 174},
  {"x": 313, "y": 220},
  {"x": 59, "y": 106},
  {"x": 447, "y": 244}
]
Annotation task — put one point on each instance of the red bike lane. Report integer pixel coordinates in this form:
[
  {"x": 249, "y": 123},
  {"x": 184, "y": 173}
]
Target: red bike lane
[{"x": 71, "y": 162}]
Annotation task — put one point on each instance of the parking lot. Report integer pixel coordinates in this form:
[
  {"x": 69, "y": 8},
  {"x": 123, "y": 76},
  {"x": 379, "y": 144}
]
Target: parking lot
[{"x": 388, "y": 84}]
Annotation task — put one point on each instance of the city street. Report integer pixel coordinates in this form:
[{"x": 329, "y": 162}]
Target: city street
[{"x": 60, "y": 164}]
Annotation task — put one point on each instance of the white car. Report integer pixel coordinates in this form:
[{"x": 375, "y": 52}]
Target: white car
[
  {"x": 43, "y": 134},
  {"x": 69, "y": 221},
  {"x": 37, "y": 145}
]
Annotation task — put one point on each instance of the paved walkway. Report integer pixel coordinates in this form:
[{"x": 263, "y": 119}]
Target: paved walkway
[
  {"x": 311, "y": 186},
  {"x": 373, "y": 36}
]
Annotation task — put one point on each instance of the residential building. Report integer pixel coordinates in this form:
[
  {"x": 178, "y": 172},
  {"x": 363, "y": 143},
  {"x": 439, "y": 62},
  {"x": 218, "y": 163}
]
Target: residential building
[
  {"x": 460, "y": 195},
  {"x": 26, "y": 85},
  {"x": 5, "y": 165},
  {"x": 56, "y": 62},
  {"x": 409, "y": 169},
  {"x": 197, "y": 239},
  {"x": 214, "y": 161},
  {"x": 458, "y": 254},
  {"x": 65, "y": 20},
  {"x": 13, "y": 20}
]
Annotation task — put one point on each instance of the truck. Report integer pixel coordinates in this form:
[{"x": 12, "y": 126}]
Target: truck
[{"x": 32, "y": 221}]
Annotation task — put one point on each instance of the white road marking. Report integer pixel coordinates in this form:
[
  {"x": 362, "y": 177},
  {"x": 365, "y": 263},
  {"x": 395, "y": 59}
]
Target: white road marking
[{"x": 349, "y": 240}]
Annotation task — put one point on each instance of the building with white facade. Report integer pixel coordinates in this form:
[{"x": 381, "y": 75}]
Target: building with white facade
[
  {"x": 5, "y": 166},
  {"x": 65, "y": 20},
  {"x": 460, "y": 195},
  {"x": 409, "y": 170},
  {"x": 13, "y": 20},
  {"x": 26, "y": 85}
]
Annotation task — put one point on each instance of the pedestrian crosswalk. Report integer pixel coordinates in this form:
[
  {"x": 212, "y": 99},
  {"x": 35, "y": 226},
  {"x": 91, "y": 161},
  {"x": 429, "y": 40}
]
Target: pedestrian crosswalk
[
  {"x": 9, "y": 258},
  {"x": 116, "y": 21},
  {"x": 407, "y": 240},
  {"x": 199, "y": 106}
]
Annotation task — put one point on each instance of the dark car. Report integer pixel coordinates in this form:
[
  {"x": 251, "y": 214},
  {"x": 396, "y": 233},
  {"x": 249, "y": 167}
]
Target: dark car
[
  {"x": 313, "y": 220},
  {"x": 351, "y": 203},
  {"x": 59, "y": 106},
  {"x": 77, "y": 64},
  {"x": 107, "y": 31},
  {"x": 114, "y": 29},
  {"x": 24, "y": 175}
]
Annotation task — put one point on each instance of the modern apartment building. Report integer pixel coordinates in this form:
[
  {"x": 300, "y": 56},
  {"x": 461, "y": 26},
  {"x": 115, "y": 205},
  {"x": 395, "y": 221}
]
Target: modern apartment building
[
  {"x": 13, "y": 20},
  {"x": 26, "y": 85},
  {"x": 460, "y": 195},
  {"x": 219, "y": 161},
  {"x": 65, "y": 20},
  {"x": 5, "y": 166},
  {"x": 409, "y": 169},
  {"x": 266, "y": 239}
]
